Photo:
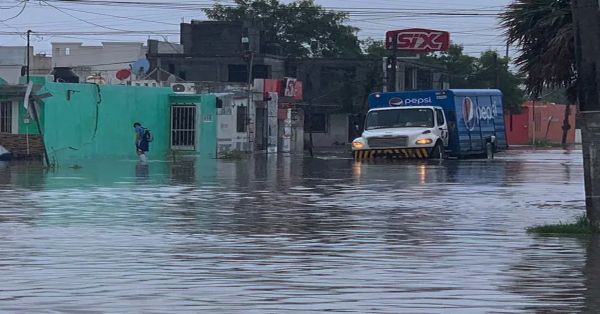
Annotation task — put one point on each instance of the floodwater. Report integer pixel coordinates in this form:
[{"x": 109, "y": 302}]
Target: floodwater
[{"x": 293, "y": 235}]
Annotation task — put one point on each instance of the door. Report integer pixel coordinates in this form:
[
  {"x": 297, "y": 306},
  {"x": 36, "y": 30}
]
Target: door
[
  {"x": 183, "y": 127},
  {"x": 517, "y": 128},
  {"x": 261, "y": 129},
  {"x": 442, "y": 125}
]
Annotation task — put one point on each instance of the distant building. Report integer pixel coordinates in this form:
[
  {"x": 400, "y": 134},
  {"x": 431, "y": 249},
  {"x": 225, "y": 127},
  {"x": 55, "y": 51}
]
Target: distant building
[
  {"x": 336, "y": 91},
  {"x": 223, "y": 58},
  {"x": 106, "y": 59},
  {"x": 215, "y": 51},
  {"x": 13, "y": 63}
]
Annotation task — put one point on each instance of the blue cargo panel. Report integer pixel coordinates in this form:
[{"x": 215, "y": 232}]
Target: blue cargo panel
[{"x": 474, "y": 115}]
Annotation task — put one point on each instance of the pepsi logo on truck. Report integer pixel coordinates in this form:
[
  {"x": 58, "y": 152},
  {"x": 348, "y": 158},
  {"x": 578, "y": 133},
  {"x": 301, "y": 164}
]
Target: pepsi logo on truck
[
  {"x": 397, "y": 101},
  {"x": 417, "y": 40},
  {"x": 473, "y": 112}
]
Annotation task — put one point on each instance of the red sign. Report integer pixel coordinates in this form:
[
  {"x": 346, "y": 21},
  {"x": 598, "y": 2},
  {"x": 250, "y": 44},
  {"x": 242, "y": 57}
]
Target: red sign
[{"x": 417, "y": 40}]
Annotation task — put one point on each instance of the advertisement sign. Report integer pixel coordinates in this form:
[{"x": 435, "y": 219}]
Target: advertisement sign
[{"x": 418, "y": 40}]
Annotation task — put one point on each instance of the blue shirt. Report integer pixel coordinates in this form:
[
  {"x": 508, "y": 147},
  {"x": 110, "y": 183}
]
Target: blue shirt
[{"x": 140, "y": 133}]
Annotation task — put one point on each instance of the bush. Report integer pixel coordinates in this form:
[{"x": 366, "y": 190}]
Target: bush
[{"x": 581, "y": 226}]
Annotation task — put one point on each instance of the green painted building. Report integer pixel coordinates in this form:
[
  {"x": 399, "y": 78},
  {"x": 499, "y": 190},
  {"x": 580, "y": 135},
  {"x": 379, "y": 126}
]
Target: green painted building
[{"x": 89, "y": 121}]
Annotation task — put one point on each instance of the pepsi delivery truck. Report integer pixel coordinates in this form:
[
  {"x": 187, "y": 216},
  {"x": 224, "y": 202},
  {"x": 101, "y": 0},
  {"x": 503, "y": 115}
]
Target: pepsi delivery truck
[{"x": 459, "y": 123}]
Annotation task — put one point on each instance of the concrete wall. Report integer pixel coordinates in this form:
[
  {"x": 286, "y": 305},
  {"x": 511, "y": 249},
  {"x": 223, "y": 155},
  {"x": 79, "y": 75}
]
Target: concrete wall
[
  {"x": 107, "y": 59},
  {"x": 549, "y": 117},
  {"x": 96, "y": 122},
  {"x": 337, "y": 132},
  {"x": 12, "y": 59}
]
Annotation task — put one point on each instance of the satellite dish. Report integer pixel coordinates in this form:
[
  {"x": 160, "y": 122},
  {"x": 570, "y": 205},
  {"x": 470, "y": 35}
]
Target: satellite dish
[
  {"x": 123, "y": 74},
  {"x": 141, "y": 66}
]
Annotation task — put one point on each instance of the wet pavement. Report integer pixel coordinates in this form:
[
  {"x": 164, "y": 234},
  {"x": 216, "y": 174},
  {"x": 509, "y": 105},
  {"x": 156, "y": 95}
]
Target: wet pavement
[{"x": 293, "y": 235}]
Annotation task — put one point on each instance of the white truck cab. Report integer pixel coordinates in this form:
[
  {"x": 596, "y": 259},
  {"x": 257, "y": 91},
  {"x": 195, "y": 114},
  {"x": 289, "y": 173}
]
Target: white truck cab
[{"x": 414, "y": 131}]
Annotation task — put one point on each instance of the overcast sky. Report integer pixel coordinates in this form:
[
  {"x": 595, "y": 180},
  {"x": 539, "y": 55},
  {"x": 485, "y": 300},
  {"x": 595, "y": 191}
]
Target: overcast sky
[{"x": 476, "y": 33}]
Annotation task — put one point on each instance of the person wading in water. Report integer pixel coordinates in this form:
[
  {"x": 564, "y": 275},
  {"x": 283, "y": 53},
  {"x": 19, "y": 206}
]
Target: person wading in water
[{"x": 143, "y": 138}]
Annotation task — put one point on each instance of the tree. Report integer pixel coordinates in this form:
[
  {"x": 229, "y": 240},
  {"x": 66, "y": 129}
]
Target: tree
[
  {"x": 302, "y": 28},
  {"x": 460, "y": 66},
  {"x": 374, "y": 48},
  {"x": 543, "y": 31},
  {"x": 487, "y": 71}
]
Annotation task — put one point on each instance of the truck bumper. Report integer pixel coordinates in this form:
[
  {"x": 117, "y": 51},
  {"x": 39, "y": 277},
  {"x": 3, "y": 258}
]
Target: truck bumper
[{"x": 417, "y": 153}]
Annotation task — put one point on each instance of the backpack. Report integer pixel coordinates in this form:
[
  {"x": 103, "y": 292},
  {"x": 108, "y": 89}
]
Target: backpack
[{"x": 148, "y": 136}]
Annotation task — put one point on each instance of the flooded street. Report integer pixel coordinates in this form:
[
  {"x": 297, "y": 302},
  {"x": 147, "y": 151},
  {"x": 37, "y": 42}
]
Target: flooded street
[{"x": 293, "y": 235}]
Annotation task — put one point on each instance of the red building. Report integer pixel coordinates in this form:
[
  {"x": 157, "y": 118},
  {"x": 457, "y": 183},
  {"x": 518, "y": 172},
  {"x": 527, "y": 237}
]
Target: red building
[{"x": 541, "y": 121}]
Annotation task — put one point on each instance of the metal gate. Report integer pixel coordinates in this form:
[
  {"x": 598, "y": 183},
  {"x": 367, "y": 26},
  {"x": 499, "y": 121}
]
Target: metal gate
[
  {"x": 183, "y": 127},
  {"x": 6, "y": 117}
]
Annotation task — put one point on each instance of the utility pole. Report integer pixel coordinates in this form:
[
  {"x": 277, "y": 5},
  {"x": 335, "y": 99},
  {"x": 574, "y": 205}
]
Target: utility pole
[
  {"x": 393, "y": 64},
  {"x": 586, "y": 19},
  {"x": 497, "y": 70},
  {"x": 28, "y": 47}
]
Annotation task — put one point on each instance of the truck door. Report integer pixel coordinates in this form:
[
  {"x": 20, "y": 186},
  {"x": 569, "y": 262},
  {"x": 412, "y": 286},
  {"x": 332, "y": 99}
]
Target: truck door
[{"x": 442, "y": 125}]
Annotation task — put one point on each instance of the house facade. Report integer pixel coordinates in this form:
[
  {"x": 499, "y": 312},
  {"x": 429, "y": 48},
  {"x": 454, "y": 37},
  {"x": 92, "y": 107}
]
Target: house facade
[{"x": 83, "y": 121}]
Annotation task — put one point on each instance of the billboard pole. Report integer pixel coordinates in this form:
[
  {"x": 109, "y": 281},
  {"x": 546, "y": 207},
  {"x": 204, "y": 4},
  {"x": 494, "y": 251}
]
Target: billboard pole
[{"x": 393, "y": 65}]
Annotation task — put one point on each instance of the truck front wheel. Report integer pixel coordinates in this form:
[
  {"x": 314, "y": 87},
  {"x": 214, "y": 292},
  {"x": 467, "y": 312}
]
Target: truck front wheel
[{"x": 437, "y": 152}]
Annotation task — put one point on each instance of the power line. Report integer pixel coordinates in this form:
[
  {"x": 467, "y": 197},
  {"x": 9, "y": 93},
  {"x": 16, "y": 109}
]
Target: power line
[
  {"x": 18, "y": 14},
  {"x": 121, "y": 17},
  {"x": 82, "y": 20}
]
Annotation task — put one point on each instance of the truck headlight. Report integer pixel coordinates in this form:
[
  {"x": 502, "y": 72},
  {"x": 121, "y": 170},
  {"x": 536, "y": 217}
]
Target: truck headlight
[
  {"x": 424, "y": 141},
  {"x": 357, "y": 145}
]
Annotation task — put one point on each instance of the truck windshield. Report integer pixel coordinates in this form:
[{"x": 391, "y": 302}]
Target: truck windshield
[{"x": 400, "y": 118}]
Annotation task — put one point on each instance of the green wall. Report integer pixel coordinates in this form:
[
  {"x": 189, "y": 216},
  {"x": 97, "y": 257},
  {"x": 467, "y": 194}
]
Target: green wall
[{"x": 96, "y": 121}]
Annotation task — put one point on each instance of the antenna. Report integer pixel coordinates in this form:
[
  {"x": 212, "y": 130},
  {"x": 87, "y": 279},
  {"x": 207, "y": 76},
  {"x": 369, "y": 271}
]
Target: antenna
[
  {"x": 140, "y": 67},
  {"x": 123, "y": 74}
]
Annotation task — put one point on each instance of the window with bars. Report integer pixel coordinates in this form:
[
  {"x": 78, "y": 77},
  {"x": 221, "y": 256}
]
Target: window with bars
[
  {"x": 183, "y": 127},
  {"x": 6, "y": 117}
]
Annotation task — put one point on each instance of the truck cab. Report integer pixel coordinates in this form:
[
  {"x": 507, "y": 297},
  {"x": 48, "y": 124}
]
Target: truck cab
[{"x": 409, "y": 131}]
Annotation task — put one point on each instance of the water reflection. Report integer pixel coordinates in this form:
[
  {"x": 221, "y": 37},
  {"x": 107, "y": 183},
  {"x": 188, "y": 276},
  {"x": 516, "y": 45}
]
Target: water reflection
[{"x": 289, "y": 234}]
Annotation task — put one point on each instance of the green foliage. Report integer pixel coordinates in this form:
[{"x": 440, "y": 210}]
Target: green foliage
[
  {"x": 374, "y": 48},
  {"x": 460, "y": 66},
  {"x": 302, "y": 28},
  {"x": 488, "y": 71},
  {"x": 543, "y": 31},
  {"x": 580, "y": 227}
]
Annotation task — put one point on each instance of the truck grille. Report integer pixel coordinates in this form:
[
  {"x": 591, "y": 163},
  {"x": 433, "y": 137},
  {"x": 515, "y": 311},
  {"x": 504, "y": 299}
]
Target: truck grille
[{"x": 385, "y": 142}]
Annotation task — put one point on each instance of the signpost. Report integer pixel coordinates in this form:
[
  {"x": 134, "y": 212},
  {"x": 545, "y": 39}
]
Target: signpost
[
  {"x": 417, "y": 40},
  {"x": 412, "y": 40}
]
